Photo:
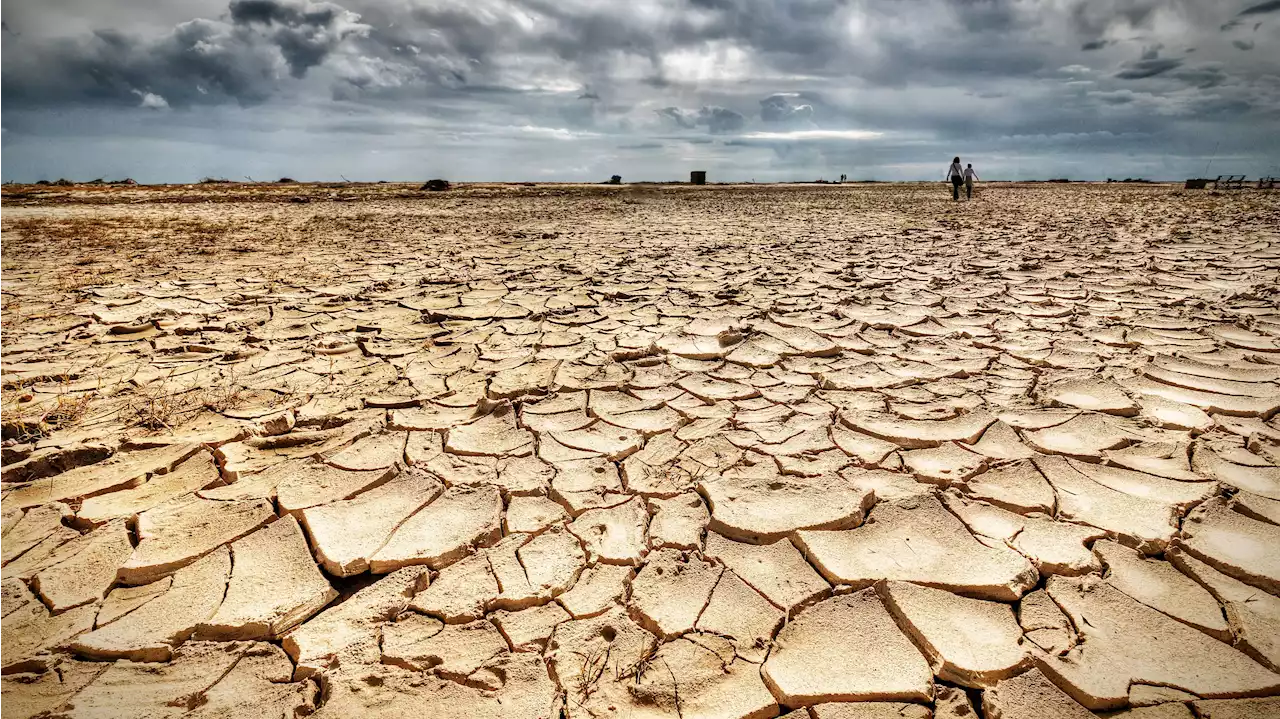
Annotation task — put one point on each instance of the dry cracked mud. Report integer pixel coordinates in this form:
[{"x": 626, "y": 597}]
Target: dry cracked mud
[{"x": 564, "y": 451}]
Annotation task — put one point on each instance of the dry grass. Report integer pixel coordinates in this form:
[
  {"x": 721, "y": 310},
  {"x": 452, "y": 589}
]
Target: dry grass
[
  {"x": 151, "y": 407},
  {"x": 224, "y": 397},
  {"x": 11, "y": 314},
  {"x": 78, "y": 280},
  {"x": 68, "y": 410},
  {"x": 587, "y": 682},
  {"x": 636, "y": 669},
  {"x": 28, "y": 419},
  {"x": 84, "y": 232}
]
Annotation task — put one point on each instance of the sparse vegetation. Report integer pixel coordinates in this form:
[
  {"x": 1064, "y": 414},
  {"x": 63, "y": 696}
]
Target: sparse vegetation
[
  {"x": 591, "y": 669},
  {"x": 154, "y": 407}
]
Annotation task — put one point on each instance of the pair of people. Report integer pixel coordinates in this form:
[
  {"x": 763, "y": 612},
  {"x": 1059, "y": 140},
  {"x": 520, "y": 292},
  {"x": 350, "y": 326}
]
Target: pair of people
[{"x": 961, "y": 176}]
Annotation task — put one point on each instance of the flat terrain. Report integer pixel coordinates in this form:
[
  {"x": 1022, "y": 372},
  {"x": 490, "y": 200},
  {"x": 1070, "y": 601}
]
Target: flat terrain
[{"x": 641, "y": 451}]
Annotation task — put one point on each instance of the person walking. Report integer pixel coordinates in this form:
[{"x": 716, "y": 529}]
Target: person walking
[
  {"x": 957, "y": 178},
  {"x": 969, "y": 177}
]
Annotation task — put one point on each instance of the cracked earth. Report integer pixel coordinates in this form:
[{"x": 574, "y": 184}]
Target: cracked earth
[{"x": 712, "y": 453}]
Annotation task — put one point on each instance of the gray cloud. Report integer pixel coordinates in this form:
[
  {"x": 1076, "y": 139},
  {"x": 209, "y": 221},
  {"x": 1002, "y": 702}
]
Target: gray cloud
[
  {"x": 780, "y": 109},
  {"x": 1147, "y": 67},
  {"x": 682, "y": 118},
  {"x": 721, "y": 119},
  {"x": 304, "y": 33},
  {"x": 574, "y": 89},
  {"x": 200, "y": 61},
  {"x": 717, "y": 120},
  {"x": 1094, "y": 17},
  {"x": 1262, "y": 8},
  {"x": 1202, "y": 76}
]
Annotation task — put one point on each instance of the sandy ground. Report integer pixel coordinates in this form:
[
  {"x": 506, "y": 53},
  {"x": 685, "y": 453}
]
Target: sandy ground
[{"x": 641, "y": 451}]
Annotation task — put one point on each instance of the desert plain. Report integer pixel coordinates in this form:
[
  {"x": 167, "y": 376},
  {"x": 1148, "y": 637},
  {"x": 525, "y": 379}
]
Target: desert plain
[{"x": 722, "y": 452}]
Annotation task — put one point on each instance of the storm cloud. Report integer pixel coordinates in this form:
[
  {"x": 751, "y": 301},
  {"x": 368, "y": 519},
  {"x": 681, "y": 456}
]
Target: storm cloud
[
  {"x": 580, "y": 90},
  {"x": 240, "y": 58},
  {"x": 1262, "y": 8},
  {"x": 782, "y": 109},
  {"x": 1147, "y": 67}
]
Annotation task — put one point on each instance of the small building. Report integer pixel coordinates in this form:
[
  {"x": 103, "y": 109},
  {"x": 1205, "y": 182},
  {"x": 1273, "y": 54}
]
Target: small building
[
  {"x": 698, "y": 177},
  {"x": 1195, "y": 184}
]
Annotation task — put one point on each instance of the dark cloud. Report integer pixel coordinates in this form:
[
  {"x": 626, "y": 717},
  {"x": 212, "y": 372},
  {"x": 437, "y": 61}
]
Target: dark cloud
[
  {"x": 200, "y": 61},
  {"x": 1202, "y": 76},
  {"x": 716, "y": 119},
  {"x": 1148, "y": 67},
  {"x": 304, "y": 33},
  {"x": 681, "y": 118},
  {"x": 1262, "y": 8},
  {"x": 533, "y": 87},
  {"x": 721, "y": 119},
  {"x": 1092, "y": 18},
  {"x": 1115, "y": 97},
  {"x": 1243, "y": 44},
  {"x": 780, "y": 109}
]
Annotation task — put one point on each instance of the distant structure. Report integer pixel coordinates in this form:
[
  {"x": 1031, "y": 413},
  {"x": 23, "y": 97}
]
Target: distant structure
[
  {"x": 1196, "y": 183},
  {"x": 615, "y": 180},
  {"x": 698, "y": 177},
  {"x": 1229, "y": 182},
  {"x": 1267, "y": 183},
  {"x": 436, "y": 185}
]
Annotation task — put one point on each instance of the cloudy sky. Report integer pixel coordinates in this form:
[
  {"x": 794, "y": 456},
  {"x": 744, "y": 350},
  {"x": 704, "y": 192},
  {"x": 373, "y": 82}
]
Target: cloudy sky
[{"x": 648, "y": 89}]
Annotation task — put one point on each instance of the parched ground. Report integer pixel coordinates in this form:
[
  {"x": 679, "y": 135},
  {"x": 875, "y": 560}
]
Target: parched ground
[{"x": 642, "y": 451}]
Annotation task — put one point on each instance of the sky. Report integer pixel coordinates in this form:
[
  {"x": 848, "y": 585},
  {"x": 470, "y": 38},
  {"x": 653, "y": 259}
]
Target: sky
[{"x": 578, "y": 90}]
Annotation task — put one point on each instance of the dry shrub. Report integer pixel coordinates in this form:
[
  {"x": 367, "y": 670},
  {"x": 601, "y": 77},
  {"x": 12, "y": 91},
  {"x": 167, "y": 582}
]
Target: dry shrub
[
  {"x": 223, "y": 397},
  {"x": 68, "y": 410},
  {"x": 592, "y": 670},
  {"x": 152, "y": 407},
  {"x": 84, "y": 232},
  {"x": 26, "y": 420}
]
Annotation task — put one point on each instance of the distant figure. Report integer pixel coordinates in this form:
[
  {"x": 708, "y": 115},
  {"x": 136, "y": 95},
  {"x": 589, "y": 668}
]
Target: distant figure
[
  {"x": 969, "y": 177},
  {"x": 956, "y": 172}
]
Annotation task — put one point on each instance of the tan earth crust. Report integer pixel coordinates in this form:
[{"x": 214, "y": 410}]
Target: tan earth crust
[{"x": 640, "y": 452}]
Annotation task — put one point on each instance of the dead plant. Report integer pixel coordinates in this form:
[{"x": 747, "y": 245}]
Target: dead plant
[
  {"x": 223, "y": 398},
  {"x": 635, "y": 670},
  {"x": 67, "y": 410},
  {"x": 154, "y": 408},
  {"x": 593, "y": 665}
]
